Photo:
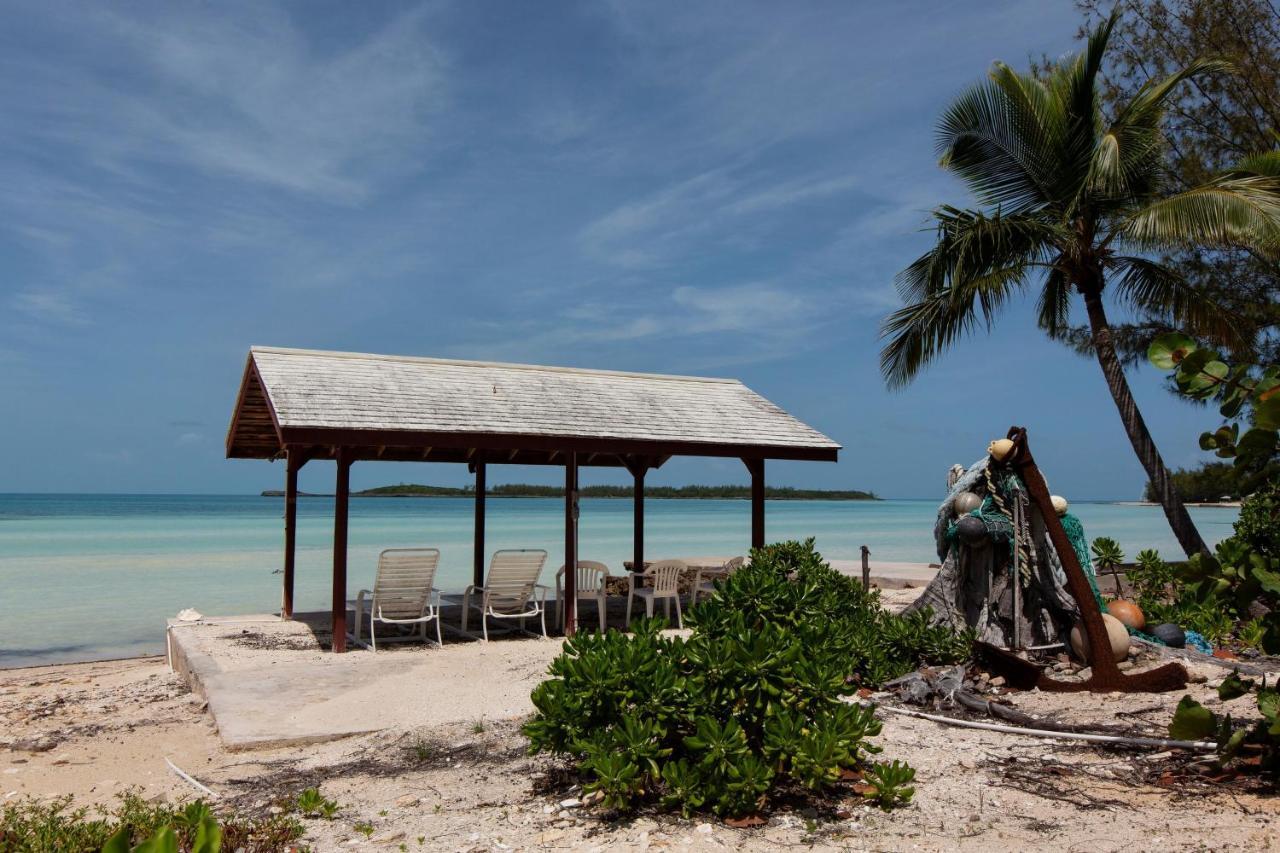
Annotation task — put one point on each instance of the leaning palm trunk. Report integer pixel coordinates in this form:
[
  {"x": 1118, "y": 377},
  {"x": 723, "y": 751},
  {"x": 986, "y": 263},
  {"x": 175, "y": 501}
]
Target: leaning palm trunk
[{"x": 1136, "y": 427}]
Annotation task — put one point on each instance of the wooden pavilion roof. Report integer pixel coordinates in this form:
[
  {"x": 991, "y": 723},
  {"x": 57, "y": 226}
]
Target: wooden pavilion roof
[{"x": 426, "y": 409}]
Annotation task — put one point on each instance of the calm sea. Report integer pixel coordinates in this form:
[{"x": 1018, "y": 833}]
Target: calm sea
[{"x": 94, "y": 576}]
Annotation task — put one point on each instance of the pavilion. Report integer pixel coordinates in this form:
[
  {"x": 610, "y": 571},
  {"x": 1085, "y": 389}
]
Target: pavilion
[{"x": 304, "y": 405}]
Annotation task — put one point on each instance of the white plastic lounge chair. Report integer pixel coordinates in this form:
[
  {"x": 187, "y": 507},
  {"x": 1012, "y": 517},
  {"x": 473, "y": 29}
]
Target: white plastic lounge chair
[
  {"x": 664, "y": 577},
  {"x": 704, "y": 580},
  {"x": 511, "y": 590},
  {"x": 592, "y": 578},
  {"x": 403, "y": 593}
]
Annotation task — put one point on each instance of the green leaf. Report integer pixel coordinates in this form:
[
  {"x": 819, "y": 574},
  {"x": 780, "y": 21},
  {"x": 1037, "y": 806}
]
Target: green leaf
[
  {"x": 1269, "y": 705},
  {"x": 1191, "y": 721},
  {"x": 1233, "y": 687},
  {"x": 118, "y": 842},
  {"x": 1266, "y": 413},
  {"x": 1168, "y": 350},
  {"x": 1256, "y": 445}
]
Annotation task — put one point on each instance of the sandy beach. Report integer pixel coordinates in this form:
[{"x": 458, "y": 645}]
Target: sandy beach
[{"x": 464, "y": 782}]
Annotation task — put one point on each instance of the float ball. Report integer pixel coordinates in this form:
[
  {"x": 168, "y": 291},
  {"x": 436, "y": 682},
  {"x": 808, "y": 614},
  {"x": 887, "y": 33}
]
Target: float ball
[
  {"x": 1128, "y": 613},
  {"x": 1116, "y": 633},
  {"x": 965, "y": 503},
  {"x": 1170, "y": 634},
  {"x": 972, "y": 531}
]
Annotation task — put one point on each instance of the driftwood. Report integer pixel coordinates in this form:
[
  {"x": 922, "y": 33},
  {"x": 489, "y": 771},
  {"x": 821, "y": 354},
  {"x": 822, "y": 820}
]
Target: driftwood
[{"x": 1193, "y": 656}]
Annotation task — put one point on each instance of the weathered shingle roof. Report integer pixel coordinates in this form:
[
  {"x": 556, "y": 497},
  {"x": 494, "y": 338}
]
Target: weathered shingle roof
[{"x": 306, "y": 396}]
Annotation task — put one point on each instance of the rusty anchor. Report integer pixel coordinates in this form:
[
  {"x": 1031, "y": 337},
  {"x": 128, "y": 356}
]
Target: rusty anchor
[{"x": 1105, "y": 675}]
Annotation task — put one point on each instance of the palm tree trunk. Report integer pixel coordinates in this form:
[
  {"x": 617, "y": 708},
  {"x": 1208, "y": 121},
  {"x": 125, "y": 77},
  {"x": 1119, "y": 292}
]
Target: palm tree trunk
[{"x": 1139, "y": 436}]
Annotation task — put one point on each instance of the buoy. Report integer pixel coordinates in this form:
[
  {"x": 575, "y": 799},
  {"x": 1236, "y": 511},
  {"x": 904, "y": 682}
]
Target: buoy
[
  {"x": 972, "y": 531},
  {"x": 1000, "y": 449},
  {"x": 1128, "y": 613},
  {"x": 1115, "y": 632},
  {"x": 1059, "y": 504},
  {"x": 1170, "y": 634},
  {"x": 965, "y": 503}
]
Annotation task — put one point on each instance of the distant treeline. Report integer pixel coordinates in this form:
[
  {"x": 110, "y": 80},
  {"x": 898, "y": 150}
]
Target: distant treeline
[
  {"x": 1213, "y": 481},
  {"x": 526, "y": 490}
]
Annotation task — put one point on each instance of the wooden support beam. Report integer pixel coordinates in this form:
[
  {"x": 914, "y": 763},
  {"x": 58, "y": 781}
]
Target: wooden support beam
[
  {"x": 637, "y": 536},
  {"x": 756, "y": 467},
  {"x": 295, "y": 459},
  {"x": 477, "y": 563},
  {"x": 570, "y": 608},
  {"x": 342, "y": 491}
]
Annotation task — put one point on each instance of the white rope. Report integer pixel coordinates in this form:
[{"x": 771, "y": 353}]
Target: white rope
[
  {"x": 188, "y": 778},
  {"x": 1158, "y": 743}
]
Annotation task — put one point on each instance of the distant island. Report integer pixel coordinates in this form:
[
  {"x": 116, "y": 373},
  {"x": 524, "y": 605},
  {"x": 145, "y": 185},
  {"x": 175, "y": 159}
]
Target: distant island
[{"x": 526, "y": 490}]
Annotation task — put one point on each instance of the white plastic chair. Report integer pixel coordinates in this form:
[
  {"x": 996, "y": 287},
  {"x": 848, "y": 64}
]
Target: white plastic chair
[
  {"x": 511, "y": 590},
  {"x": 704, "y": 581},
  {"x": 592, "y": 578},
  {"x": 664, "y": 577},
  {"x": 403, "y": 593}
]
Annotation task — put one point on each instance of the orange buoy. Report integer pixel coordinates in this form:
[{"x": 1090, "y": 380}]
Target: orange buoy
[{"x": 1128, "y": 613}]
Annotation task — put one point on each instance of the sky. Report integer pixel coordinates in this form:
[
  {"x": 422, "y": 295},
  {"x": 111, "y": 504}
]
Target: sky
[{"x": 711, "y": 188}]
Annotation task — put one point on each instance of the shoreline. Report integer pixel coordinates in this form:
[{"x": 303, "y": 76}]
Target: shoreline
[{"x": 1197, "y": 504}]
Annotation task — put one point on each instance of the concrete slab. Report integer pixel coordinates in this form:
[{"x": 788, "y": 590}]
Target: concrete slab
[{"x": 269, "y": 683}]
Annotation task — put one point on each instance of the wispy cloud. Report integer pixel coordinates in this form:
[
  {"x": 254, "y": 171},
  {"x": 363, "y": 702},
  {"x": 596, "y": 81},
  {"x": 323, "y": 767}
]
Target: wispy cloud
[
  {"x": 50, "y": 306},
  {"x": 246, "y": 95}
]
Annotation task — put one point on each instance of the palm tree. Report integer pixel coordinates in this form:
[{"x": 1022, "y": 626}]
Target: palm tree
[{"x": 1077, "y": 203}]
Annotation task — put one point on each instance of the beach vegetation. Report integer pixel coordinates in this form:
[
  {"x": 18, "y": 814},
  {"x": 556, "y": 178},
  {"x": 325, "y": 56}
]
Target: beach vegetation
[
  {"x": 1257, "y": 739},
  {"x": 1211, "y": 482},
  {"x": 526, "y": 490},
  {"x": 888, "y": 784},
  {"x": 753, "y": 701},
  {"x": 134, "y": 824},
  {"x": 311, "y": 803},
  {"x": 1077, "y": 201}
]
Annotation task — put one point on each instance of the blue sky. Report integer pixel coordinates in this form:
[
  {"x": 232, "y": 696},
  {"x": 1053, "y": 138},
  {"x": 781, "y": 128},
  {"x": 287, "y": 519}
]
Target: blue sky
[{"x": 714, "y": 188}]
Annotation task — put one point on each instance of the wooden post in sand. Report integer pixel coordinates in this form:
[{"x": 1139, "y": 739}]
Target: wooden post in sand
[
  {"x": 570, "y": 606},
  {"x": 342, "y": 491},
  {"x": 294, "y": 460},
  {"x": 477, "y": 563},
  {"x": 756, "y": 467}
]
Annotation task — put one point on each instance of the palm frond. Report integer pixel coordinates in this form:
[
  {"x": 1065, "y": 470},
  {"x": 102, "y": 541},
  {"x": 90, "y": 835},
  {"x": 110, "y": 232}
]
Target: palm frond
[
  {"x": 921, "y": 331},
  {"x": 972, "y": 244},
  {"x": 1238, "y": 210},
  {"x": 1156, "y": 291},
  {"x": 990, "y": 142},
  {"x": 1053, "y": 308}
]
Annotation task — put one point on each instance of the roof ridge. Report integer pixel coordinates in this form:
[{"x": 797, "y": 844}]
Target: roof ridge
[{"x": 588, "y": 371}]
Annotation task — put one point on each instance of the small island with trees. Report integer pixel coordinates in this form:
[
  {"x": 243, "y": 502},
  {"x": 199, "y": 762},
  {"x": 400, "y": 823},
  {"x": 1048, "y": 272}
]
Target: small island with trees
[{"x": 527, "y": 490}]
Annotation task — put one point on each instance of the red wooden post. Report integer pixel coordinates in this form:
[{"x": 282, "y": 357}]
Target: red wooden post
[
  {"x": 341, "y": 493},
  {"x": 477, "y": 565},
  {"x": 756, "y": 467},
  {"x": 570, "y": 608},
  {"x": 293, "y": 461}
]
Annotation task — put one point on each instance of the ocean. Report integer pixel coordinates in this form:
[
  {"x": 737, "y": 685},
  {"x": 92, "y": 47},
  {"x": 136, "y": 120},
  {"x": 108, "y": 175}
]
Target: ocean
[{"x": 89, "y": 577}]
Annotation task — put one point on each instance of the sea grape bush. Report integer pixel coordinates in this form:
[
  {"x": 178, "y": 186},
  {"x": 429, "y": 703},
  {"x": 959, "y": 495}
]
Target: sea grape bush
[
  {"x": 751, "y": 701},
  {"x": 1261, "y": 738}
]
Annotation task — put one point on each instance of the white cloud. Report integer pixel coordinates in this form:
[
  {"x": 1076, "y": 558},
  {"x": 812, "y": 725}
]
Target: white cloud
[{"x": 50, "y": 306}]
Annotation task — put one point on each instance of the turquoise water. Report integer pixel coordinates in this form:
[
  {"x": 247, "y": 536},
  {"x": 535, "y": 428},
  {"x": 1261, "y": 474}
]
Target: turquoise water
[{"x": 94, "y": 576}]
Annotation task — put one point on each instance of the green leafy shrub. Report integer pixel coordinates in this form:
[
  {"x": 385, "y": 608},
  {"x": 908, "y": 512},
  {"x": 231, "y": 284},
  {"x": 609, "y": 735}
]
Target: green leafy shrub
[
  {"x": 1235, "y": 579},
  {"x": 1193, "y": 721},
  {"x": 55, "y": 826},
  {"x": 1259, "y": 522},
  {"x": 889, "y": 785},
  {"x": 751, "y": 700},
  {"x": 1178, "y": 595}
]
